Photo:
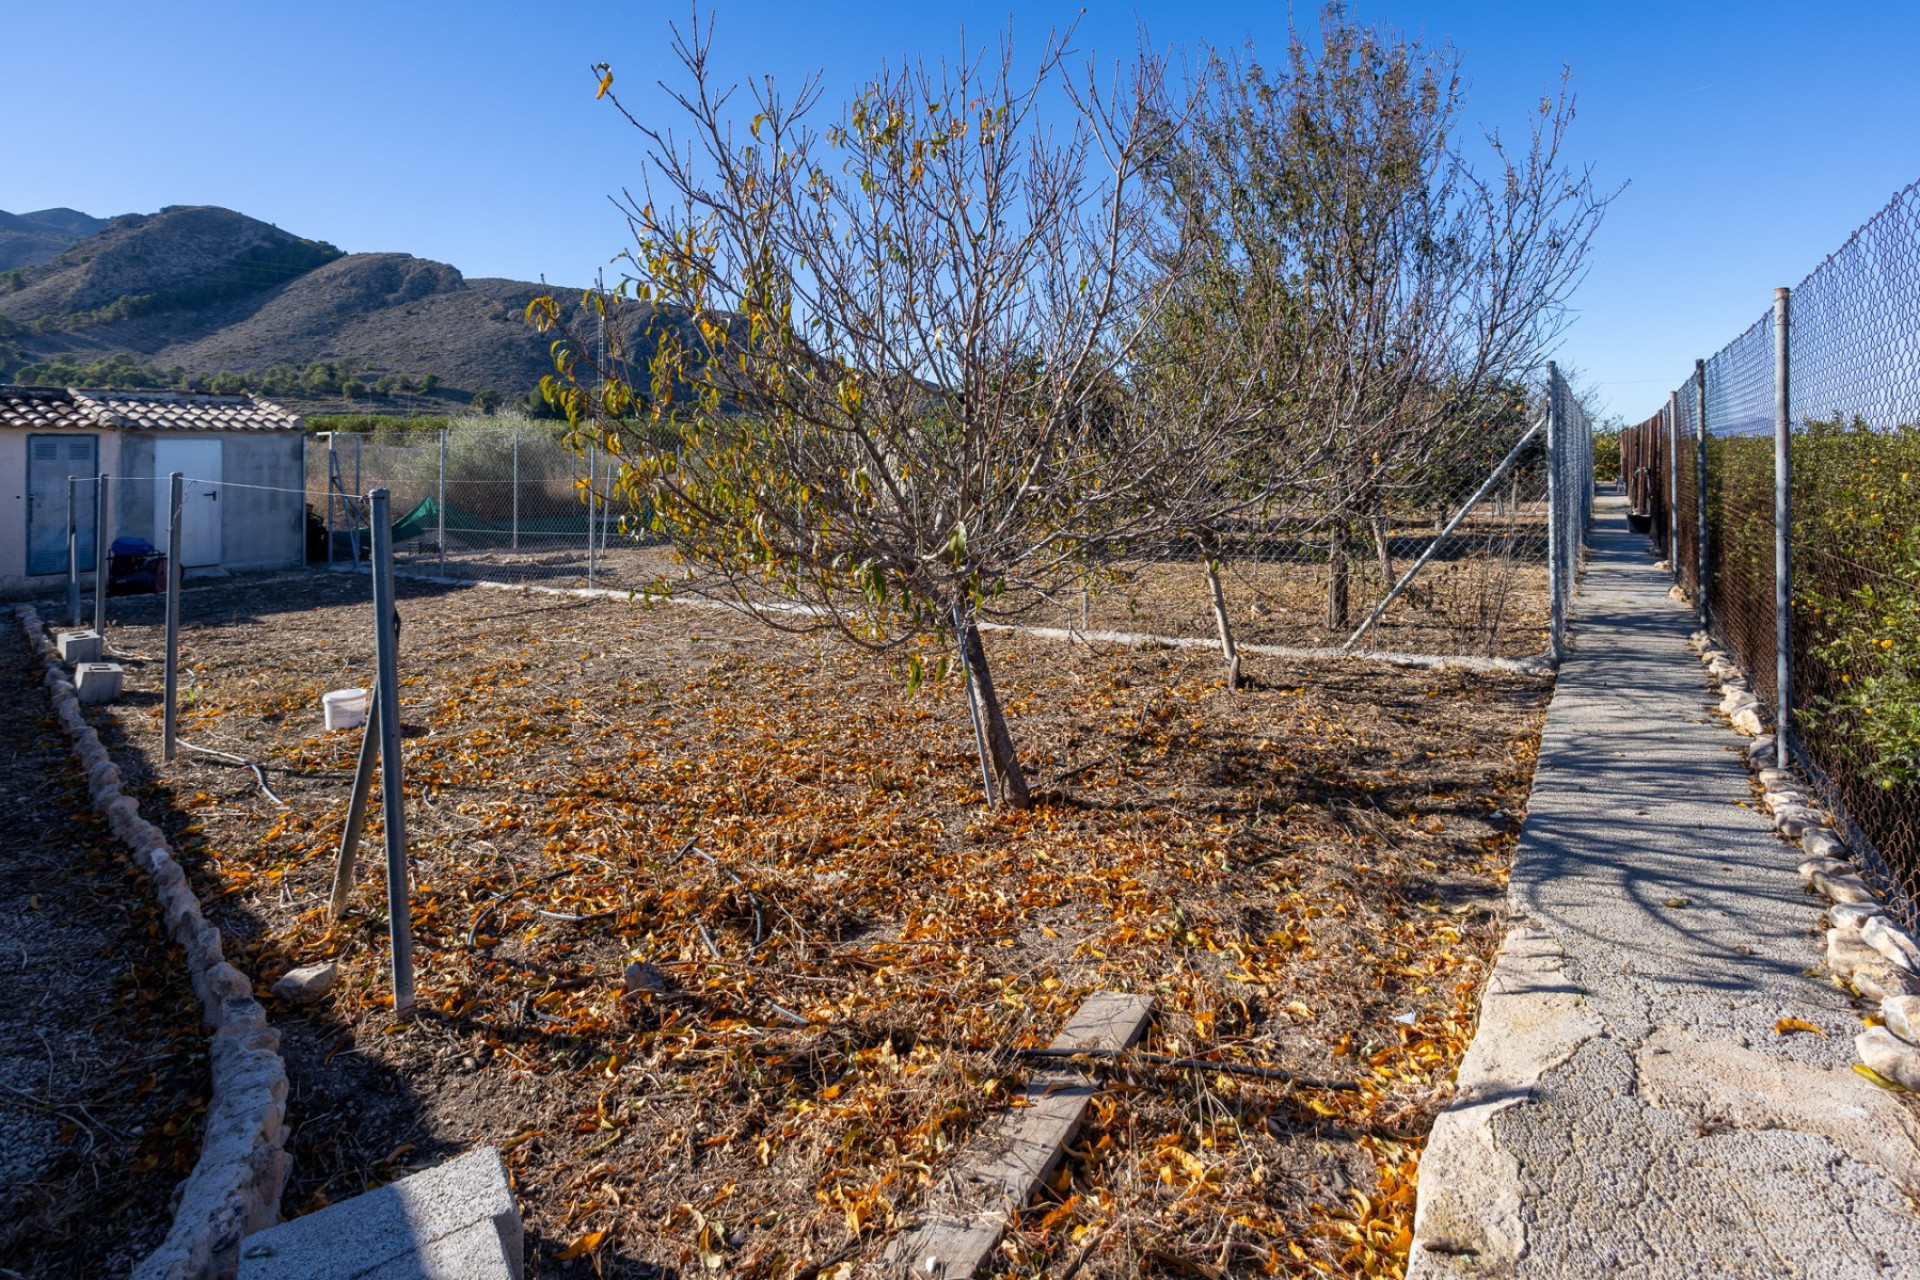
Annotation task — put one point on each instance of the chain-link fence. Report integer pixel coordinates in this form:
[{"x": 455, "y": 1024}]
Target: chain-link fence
[
  {"x": 493, "y": 499},
  {"x": 1851, "y": 367},
  {"x": 1455, "y": 542}
]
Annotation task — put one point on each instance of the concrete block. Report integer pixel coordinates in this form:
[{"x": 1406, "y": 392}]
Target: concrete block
[
  {"x": 81, "y": 646},
  {"x": 98, "y": 681},
  {"x": 455, "y": 1222}
]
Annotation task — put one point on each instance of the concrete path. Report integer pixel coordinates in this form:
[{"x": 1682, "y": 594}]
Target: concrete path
[{"x": 1627, "y": 1108}]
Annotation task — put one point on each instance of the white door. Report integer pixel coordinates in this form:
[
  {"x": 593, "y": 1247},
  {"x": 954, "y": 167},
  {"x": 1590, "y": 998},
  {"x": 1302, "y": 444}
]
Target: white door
[{"x": 199, "y": 462}]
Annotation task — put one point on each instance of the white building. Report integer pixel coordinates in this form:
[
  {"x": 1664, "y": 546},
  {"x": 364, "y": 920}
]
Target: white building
[{"x": 243, "y": 459}]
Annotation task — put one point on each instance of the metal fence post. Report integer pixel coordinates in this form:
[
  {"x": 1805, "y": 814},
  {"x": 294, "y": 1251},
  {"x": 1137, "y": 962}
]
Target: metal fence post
[
  {"x": 593, "y": 467},
  {"x": 516, "y": 491},
  {"x": 1782, "y": 523},
  {"x": 440, "y": 504},
  {"x": 73, "y": 549},
  {"x": 1556, "y": 499},
  {"x": 1673, "y": 483},
  {"x": 102, "y": 548},
  {"x": 170, "y": 705},
  {"x": 1704, "y": 604},
  {"x": 333, "y": 472},
  {"x": 386, "y": 700}
]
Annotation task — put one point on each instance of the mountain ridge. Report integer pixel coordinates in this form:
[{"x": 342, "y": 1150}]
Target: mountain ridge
[{"x": 203, "y": 297}]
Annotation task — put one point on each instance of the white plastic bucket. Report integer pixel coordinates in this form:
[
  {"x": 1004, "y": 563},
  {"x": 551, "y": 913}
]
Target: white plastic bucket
[{"x": 344, "y": 708}]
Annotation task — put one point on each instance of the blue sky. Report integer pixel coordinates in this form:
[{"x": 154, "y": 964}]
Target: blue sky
[{"x": 1753, "y": 136}]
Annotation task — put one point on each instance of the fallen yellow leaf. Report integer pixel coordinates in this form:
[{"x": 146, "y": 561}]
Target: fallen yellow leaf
[
  {"x": 1787, "y": 1025},
  {"x": 585, "y": 1245}
]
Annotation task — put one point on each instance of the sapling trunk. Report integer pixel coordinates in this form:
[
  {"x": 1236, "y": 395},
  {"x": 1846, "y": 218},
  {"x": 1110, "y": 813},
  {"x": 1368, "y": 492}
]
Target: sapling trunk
[
  {"x": 1337, "y": 576},
  {"x": 1228, "y": 651},
  {"x": 1009, "y": 782},
  {"x": 1383, "y": 542}
]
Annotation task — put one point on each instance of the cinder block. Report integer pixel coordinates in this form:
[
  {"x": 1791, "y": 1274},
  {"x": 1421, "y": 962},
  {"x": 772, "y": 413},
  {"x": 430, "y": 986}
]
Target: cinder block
[
  {"x": 98, "y": 681},
  {"x": 456, "y": 1222},
  {"x": 81, "y": 646}
]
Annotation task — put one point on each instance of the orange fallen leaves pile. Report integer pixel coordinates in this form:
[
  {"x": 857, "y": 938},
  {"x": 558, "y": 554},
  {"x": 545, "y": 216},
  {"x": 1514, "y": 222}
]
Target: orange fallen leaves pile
[{"x": 835, "y": 944}]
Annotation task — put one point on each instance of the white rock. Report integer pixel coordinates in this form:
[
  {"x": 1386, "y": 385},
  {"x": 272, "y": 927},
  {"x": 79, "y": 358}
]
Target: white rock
[
  {"x": 1747, "y": 720},
  {"x": 307, "y": 983},
  {"x": 1794, "y": 821},
  {"x": 1821, "y": 842},
  {"x": 1889, "y": 1056},
  {"x": 1735, "y": 700},
  {"x": 1902, "y": 1014},
  {"x": 1831, "y": 866},
  {"x": 1877, "y": 979},
  {"x": 1676, "y": 594},
  {"x": 1847, "y": 954},
  {"x": 1761, "y": 748},
  {"x": 1842, "y": 888},
  {"x": 1778, "y": 800},
  {"x": 1852, "y": 915},
  {"x": 1778, "y": 779},
  {"x": 1891, "y": 941}
]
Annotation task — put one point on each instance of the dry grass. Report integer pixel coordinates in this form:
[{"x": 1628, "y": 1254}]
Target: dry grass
[{"x": 1305, "y": 875}]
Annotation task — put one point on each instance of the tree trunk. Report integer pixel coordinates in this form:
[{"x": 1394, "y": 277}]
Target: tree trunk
[
  {"x": 1337, "y": 576},
  {"x": 1009, "y": 782},
  {"x": 1228, "y": 650},
  {"x": 1383, "y": 542}
]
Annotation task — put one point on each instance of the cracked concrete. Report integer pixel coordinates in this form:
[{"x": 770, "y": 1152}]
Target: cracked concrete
[{"x": 1626, "y": 1107}]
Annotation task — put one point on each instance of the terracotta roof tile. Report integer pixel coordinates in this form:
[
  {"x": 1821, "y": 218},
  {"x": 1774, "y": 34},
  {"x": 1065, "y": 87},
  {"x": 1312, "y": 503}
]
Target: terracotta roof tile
[
  {"x": 140, "y": 410},
  {"x": 44, "y": 407}
]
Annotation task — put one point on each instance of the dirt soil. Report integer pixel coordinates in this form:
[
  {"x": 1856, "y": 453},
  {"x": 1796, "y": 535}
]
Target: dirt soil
[
  {"x": 716, "y": 940},
  {"x": 103, "y": 1067}
]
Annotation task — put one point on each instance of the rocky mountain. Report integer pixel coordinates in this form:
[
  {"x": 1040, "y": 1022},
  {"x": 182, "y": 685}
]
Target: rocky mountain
[
  {"x": 201, "y": 296},
  {"x": 28, "y": 238}
]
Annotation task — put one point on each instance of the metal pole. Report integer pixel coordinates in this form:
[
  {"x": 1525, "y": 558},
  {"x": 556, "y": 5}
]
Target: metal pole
[
  {"x": 170, "y": 714},
  {"x": 1782, "y": 524},
  {"x": 516, "y": 491},
  {"x": 1702, "y": 603},
  {"x": 102, "y": 547},
  {"x": 1673, "y": 483},
  {"x": 973, "y": 703},
  {"x": 593, "y": 465},
  {"x": 442, "y": 503},
  {"x": 386, "y": 698},
  {"x": 333, "y": 470},
  {"x": 1556, "y": 584},
  {"x": 73, "y": 549},
  {"x": 356, "y": 809}
]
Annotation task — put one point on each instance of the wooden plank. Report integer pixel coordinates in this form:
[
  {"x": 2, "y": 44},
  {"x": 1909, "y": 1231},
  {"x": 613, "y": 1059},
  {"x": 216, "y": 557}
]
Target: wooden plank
[{"x": 1011, "y": 1160}]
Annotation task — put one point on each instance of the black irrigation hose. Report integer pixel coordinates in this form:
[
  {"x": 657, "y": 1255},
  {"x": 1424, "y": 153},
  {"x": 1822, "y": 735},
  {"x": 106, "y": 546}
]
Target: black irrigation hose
[{"x": 1125, "y": 1056}]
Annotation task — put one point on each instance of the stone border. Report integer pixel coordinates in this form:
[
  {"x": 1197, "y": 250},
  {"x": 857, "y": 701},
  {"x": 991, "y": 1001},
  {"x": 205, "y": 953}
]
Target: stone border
[
  {"x": 1868, "y": 954},
  {"x": 235, "y": 1185}
]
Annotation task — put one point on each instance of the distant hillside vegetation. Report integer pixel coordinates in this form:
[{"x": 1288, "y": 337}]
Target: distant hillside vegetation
[
  {"x": 29, "y": 238},
  {"x": 203, "y": 298}
]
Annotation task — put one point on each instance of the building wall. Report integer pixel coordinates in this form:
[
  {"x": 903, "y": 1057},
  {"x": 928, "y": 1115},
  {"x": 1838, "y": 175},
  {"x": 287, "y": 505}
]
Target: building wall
[
  {"x": 261, "y": 527},
  {"x": 13, "y": 500},
  {"x": 262, "y": 500}
]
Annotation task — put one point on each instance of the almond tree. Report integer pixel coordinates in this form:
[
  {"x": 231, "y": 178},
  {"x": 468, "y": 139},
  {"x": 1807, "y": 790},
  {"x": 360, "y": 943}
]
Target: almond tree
[
  {"x": 1418, "y": 284},
  {"x": 891, "y": 411}
]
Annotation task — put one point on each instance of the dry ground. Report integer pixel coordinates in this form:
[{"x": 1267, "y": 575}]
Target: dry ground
[
  {"x": 837, "y": 944},
  {"x": 103, "y": 1067}
]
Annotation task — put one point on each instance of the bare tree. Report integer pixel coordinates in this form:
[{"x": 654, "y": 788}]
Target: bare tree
[
  {"x": 892, "y": 412},
  {"x": 1418, "y": 285}
]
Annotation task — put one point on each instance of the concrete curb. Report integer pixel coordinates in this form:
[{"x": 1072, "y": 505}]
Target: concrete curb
[
  {"x": 1536, "y": 665},
  {"x": 235, "y": 1185}
]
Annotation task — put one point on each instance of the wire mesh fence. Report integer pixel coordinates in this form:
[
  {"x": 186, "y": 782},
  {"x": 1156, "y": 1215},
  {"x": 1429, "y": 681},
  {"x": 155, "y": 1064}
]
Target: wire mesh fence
[
  {"x": 1457, "y": 548},
  {"x": 1851, "y": 369}
]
